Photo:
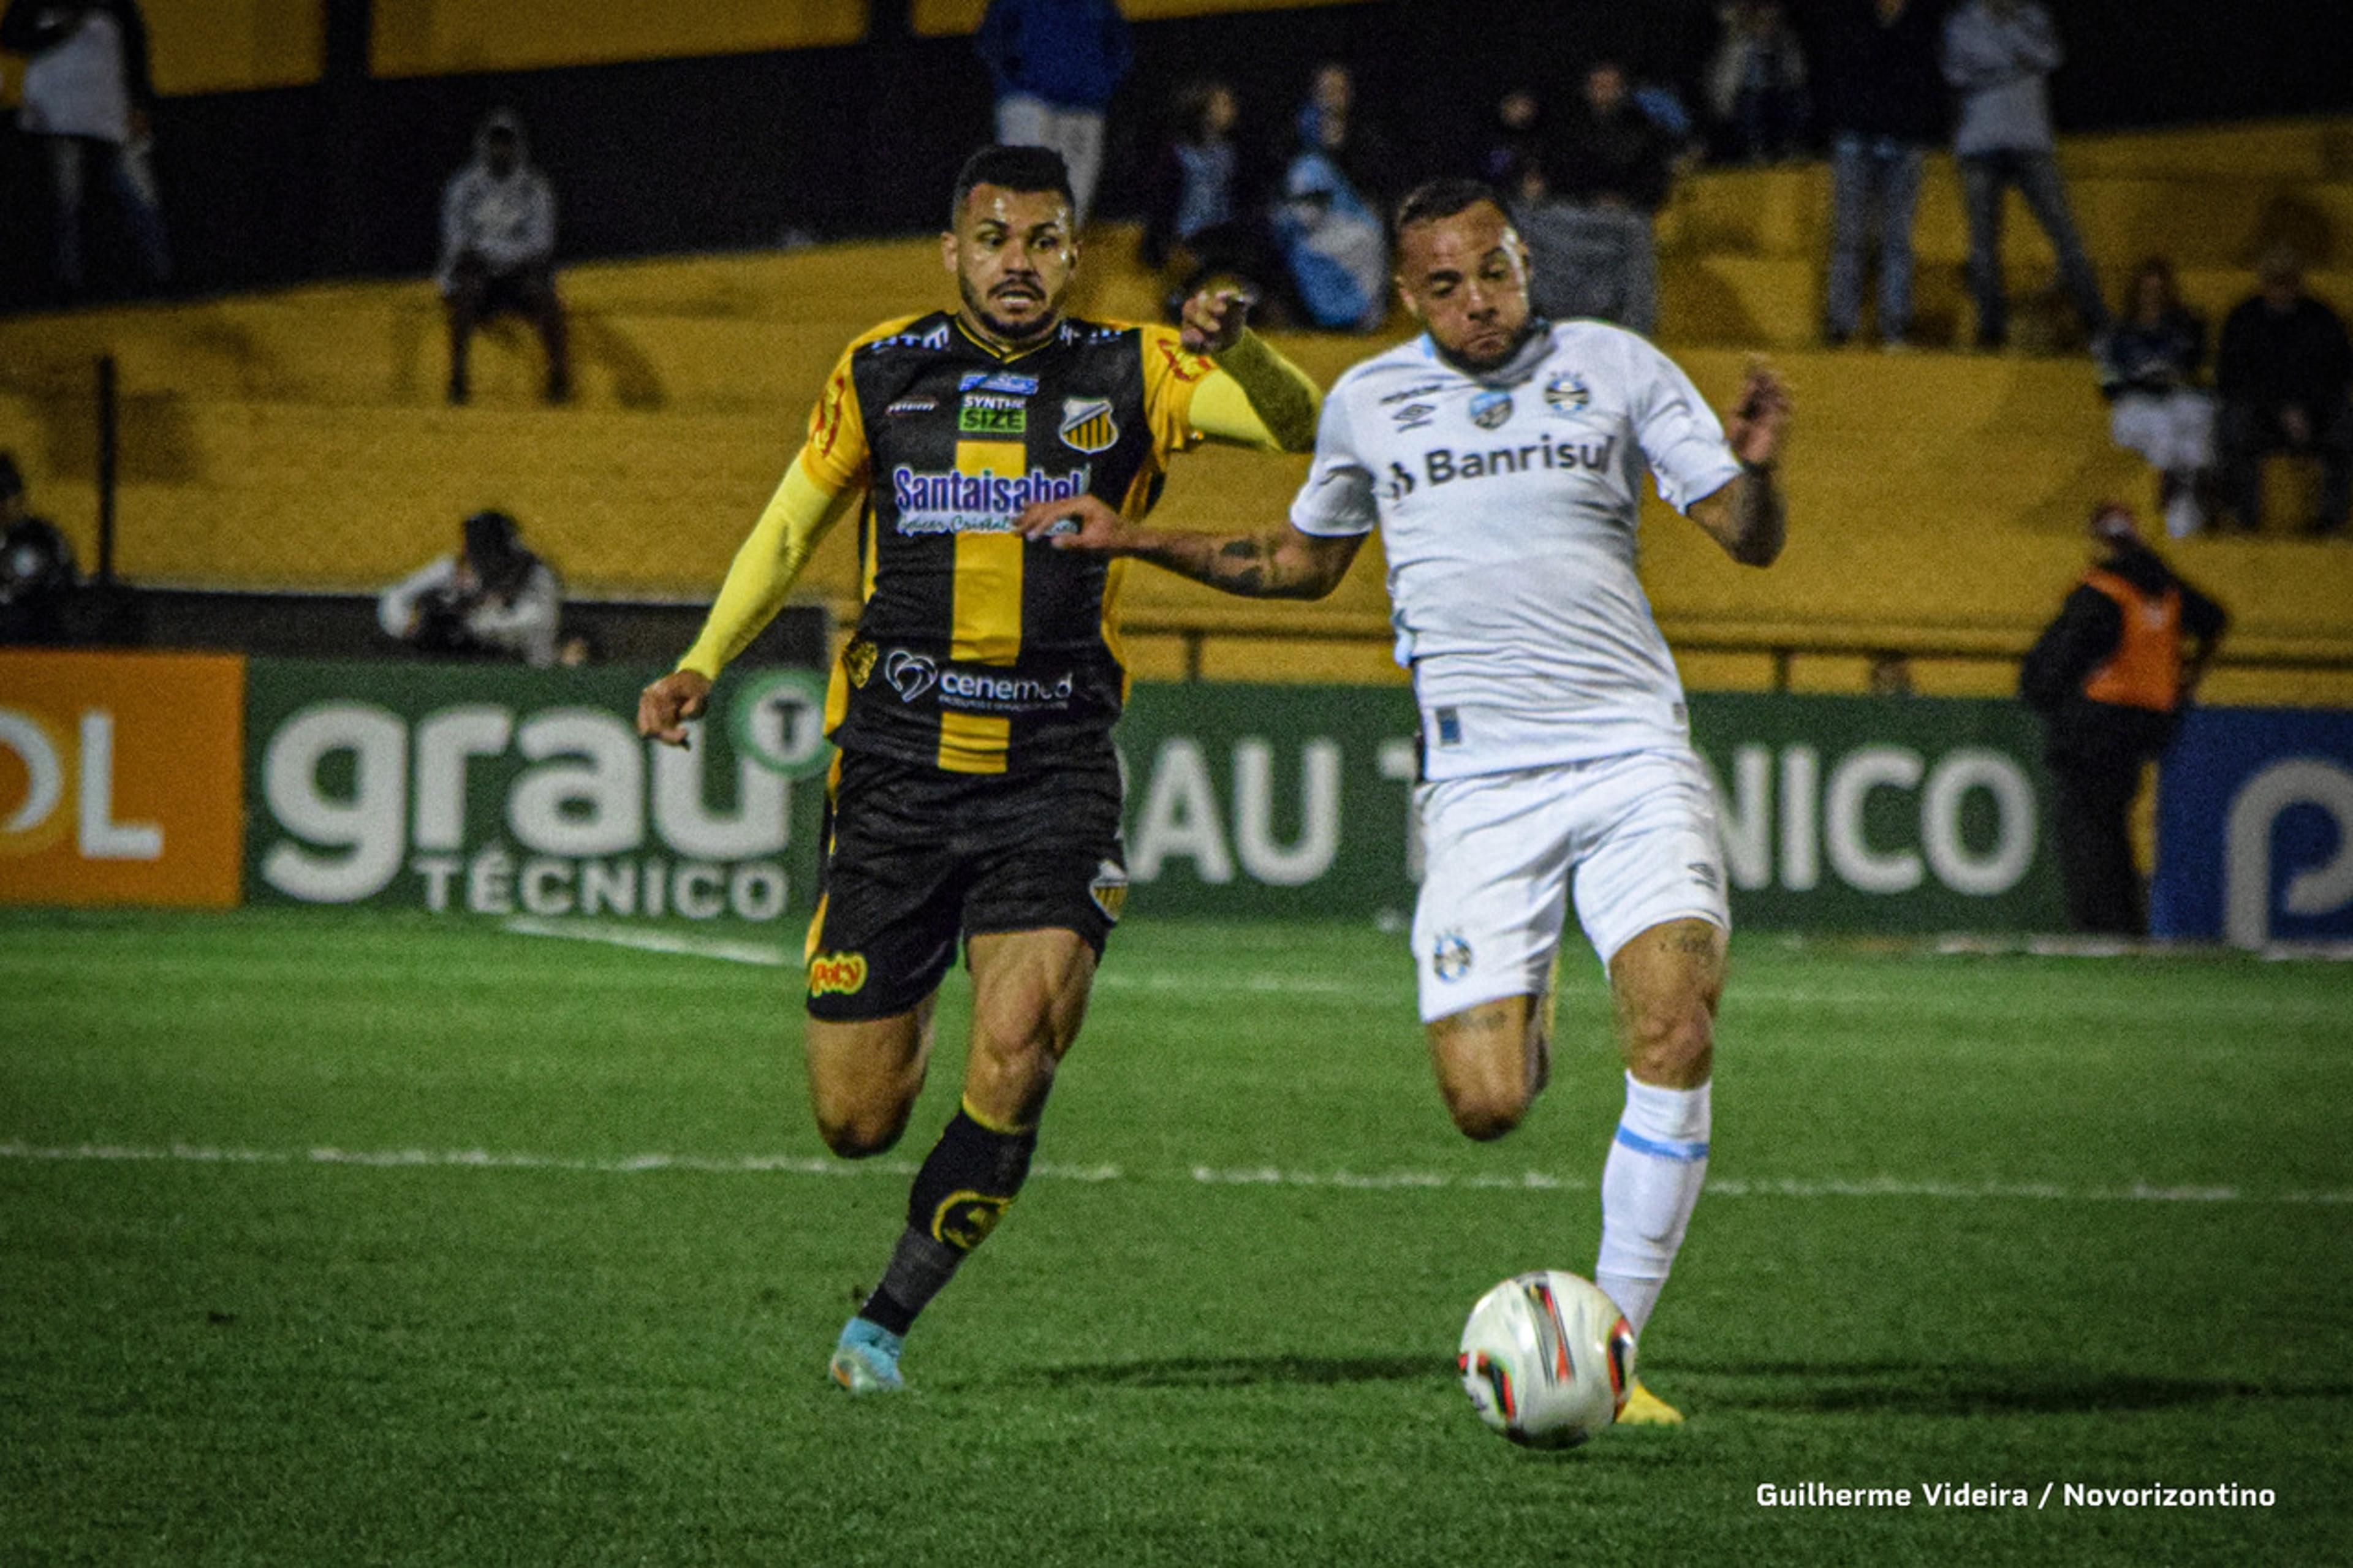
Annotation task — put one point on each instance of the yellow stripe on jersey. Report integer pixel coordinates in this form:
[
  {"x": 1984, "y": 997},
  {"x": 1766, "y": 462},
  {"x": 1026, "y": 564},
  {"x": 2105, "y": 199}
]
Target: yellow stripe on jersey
[
  {"x": 973, "y": 743},
  {"x": 987, "y": 623}
]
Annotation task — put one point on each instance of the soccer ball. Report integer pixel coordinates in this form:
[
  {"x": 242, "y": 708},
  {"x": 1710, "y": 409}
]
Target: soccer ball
[{"x": 1547, "y": 1359}]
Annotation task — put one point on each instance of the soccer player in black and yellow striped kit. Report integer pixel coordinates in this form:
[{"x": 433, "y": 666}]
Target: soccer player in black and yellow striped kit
[{"x": 976, "y": 797}]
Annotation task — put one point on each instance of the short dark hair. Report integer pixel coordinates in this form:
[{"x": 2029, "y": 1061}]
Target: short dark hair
[
  {"x": 1444, "y": 198},
  {"x": 1013, "y": 169}
]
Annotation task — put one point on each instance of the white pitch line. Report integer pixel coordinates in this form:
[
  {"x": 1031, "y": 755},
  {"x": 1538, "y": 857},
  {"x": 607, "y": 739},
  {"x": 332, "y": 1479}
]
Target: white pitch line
[
  {"x": 768, "y": 955},
  {"x": 1207, "y": 1176}
]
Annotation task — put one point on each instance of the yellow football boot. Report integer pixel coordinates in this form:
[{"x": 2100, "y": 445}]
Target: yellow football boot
[{"x": 1644, "y": 1408}]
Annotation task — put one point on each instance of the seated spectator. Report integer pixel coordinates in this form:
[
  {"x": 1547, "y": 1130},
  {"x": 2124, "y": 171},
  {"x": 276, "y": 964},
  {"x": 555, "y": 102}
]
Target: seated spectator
[
  {"x": 2284, "y": 376},
  {"x": 1999, "y": 54},
  {"x": 1201, "y": 222},
  {"x": 1055, "y": 65},
  {"x": 493, "y": 599},
  {"x": 1327, "y": 222},
  {"x": 1882, "y": 96},
  {"x": 2148, "y": 368},
  {"x": 1756, "y": 83},
  {"x": 37, "y": 581},
  {"x": 87, "y": 98},
  {"x": 497, "y": 251}
]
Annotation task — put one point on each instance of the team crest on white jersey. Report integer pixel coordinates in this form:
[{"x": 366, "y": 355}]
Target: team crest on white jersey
[
  {"x": 1488, "y": 410},
  {"x": 1087, "y": 424},
  {"x": 1568, "y": 394}
]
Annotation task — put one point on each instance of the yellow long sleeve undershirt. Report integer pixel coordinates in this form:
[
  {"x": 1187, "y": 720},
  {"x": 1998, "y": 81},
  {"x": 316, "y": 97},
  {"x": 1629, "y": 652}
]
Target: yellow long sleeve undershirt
[
  {"x": 1258, "y": 398},
  {"x": 762, "y": 574}
]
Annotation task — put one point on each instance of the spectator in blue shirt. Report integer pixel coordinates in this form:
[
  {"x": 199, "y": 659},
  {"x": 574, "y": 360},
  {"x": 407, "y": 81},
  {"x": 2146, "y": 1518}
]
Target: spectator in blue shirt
[{"x": 1056, "y": 64}]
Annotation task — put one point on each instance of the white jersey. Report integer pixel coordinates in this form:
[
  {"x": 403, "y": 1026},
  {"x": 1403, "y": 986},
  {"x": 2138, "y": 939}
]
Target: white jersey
[{"x": 1507, "y": 505}]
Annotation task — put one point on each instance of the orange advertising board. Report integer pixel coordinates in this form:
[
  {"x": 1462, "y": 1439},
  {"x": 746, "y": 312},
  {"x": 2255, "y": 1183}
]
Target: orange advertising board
[{"x": 121, "y": 778}]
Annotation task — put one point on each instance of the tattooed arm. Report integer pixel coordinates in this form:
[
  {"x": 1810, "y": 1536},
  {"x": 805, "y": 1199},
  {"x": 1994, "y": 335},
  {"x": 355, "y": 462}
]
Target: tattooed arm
[{"x": 1273, "y": 563}]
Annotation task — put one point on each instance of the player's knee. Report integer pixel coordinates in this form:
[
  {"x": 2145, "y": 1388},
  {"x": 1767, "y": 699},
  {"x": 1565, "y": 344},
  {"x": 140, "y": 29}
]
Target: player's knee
[
  {"x": 1674, "y": 1045},
  {"x": 860, "y": 1138},
  {"x": 1485, "y": 1113},
  {"x": 1013, "y": 1065}
]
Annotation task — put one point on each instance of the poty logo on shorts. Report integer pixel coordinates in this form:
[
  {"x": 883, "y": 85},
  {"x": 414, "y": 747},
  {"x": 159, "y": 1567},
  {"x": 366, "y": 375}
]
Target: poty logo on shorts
[
  {"x": 910, "y": 674},
  {"x": 836, "y": 974},
  {"x": 984, "y": 502}
]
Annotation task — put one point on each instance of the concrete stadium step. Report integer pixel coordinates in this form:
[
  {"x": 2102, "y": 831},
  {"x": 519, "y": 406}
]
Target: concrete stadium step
[
  {"x": 2216, "y": 220},
  {"x": 1777, "y": 302}
]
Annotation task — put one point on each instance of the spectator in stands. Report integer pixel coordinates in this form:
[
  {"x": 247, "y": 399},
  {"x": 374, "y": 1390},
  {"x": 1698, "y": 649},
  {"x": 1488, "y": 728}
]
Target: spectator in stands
[
  {"x": 1882, "y": 97},
  {"x": 1589, "y": 236},
  {"x": 1613, "y": 154},
  {"x": 89, "y": 99},
  {"x": 2283, "y": 375},
  {"x": 1756, "y": 83},
  {"x": 1999, "y": 56},
  {"x": 1056, "y": 64},
  {"x": 37, "y": 581},
  {"x": 1202, "y": 220},
  {"x": 493, "y": 599},
  {"x": 2111, "y": 676},
  {"x": 1328, "y": 222},
  {"x": 1514, "y": 161},
  {"x": 2148, "y": 368},
  {"x": 497, "y": 251}
]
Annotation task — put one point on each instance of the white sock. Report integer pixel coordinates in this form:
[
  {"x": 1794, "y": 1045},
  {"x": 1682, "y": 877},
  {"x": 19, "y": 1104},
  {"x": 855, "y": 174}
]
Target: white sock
[{"x": 1648, "y": 1187}]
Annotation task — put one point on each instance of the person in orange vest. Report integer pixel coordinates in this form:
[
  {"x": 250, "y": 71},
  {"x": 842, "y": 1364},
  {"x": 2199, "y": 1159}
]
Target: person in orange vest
[{"x": 2111, "y": 676}]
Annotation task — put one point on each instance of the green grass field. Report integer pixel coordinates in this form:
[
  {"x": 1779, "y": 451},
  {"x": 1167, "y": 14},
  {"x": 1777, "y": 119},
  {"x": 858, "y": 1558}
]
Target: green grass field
[{"x": 360, "y": 1239}]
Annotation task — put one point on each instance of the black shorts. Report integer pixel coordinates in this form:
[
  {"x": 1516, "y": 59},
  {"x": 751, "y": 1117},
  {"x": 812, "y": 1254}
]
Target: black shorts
[{"x": 918, "y": 858}]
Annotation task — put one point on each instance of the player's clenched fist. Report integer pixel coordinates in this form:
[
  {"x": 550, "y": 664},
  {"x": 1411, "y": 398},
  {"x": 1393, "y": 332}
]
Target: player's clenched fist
[
  {"x": 1213, "y": 319},
  {"x": 664, "y": 707}
]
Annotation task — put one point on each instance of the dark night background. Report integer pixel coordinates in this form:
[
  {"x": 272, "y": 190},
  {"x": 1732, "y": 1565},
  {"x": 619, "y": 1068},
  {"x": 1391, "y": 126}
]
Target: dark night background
[{"x": 730, "y": 152}]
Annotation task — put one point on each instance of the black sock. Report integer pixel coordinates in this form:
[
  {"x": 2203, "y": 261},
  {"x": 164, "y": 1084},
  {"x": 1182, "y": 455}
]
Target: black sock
[{"x": 965, "y": 1187}]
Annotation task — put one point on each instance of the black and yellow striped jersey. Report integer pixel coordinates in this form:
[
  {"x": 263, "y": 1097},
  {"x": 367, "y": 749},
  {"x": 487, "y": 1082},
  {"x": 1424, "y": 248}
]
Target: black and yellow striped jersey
[{"x": 976, "y": 651}]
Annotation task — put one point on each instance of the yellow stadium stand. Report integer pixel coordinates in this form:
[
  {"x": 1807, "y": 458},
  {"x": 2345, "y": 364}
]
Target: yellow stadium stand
[{"x": 296, "y": 439}]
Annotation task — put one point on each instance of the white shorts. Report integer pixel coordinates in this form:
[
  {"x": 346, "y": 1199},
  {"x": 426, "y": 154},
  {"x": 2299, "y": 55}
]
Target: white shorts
[{"x": 1637, "y": 833}]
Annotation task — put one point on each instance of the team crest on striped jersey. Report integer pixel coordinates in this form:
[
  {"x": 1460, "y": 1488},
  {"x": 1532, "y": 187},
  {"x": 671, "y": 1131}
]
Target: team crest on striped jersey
[{"x": 1087, "y": 424}]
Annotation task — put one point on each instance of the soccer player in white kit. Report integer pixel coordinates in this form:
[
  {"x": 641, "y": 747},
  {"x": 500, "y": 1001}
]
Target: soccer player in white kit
[{"x": 1501, "y": 457}]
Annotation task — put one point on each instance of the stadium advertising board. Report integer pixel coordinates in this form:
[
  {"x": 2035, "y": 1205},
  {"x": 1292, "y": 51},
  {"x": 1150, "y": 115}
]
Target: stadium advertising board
[
  {"x": 2254, "y": 827},
  {"x": 1909, "y": 815},
  {"x": 118, "y": 778},
  {"x": 496, "y": 791}
]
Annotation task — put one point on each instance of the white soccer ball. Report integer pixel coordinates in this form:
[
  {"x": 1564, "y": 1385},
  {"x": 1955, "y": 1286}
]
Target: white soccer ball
[{"x": 1547, "y": 1359}]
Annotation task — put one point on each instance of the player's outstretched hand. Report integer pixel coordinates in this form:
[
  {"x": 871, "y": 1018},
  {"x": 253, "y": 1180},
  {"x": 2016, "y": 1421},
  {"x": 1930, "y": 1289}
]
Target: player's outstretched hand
[
  {"x": 1213, "y": 319},
  {"x": 1081, "y": 522},
  {"x": 1755, "y": 426},
  {"x": 664, "y": 707}
]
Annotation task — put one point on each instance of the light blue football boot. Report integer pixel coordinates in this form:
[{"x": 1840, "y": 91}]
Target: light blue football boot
[{"x": 866, "y": 1360}]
